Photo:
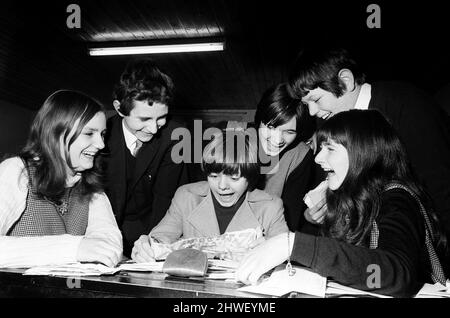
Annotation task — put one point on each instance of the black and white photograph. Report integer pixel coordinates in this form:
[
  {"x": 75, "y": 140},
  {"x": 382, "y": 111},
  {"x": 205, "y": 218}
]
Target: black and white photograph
[{"x": 224, "y": 155}]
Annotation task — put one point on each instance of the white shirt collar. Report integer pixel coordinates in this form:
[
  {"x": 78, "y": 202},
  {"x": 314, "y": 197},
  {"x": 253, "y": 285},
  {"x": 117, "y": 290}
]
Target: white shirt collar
[
  {"x": 130, "y": 139},
  {"x": 365, "y": 94},
  {"x": 72, "y": 180}
]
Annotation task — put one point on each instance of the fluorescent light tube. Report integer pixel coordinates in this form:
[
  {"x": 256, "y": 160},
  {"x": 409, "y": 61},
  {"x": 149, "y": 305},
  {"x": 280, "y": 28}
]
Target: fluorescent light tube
[{"x": 154, "y": 49}]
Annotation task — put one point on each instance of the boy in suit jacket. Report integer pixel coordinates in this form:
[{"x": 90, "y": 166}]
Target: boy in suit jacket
[
  {"x": 141, "y": 177},
  {"x": 330, "y": 81}
]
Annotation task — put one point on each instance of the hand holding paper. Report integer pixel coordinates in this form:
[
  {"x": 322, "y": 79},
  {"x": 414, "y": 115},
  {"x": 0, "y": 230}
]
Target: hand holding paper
[
  {"x": 316, "y": 202},
  {"x": 280, "y": 283},
  {"x": 230, "y": 245},
  {"x": 264, "y": 257},
  {"x": 142, "y": 250},
  {"x": 316, "y": 214}
]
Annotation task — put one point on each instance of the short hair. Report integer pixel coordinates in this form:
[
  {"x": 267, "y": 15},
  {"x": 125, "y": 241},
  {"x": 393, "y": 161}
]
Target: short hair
[
  {"x": 142, "y": 80},
  {"x": 62, "y": 112},
  {"x": 233, "y": 151},
  {"x": 277, "y": 106},
  {"x": 319, "y": 68}
]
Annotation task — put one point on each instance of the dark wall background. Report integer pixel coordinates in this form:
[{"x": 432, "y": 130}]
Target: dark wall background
[
  {"x": 39, "y": 54},
  {"x": 14, "y": 126}
]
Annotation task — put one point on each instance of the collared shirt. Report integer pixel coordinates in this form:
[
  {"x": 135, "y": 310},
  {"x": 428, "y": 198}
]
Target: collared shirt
[
  {"x": 71, "y": 180},
  {"x": 130, "y": 139},
  {"x": 44, "y": 250},
  {"x": 365, "y": 94}
]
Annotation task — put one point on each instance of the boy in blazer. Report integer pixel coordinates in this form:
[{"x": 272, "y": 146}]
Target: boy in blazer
[
  {"x": 330, "y": 81},
  {"x": 141, "y": 177}
]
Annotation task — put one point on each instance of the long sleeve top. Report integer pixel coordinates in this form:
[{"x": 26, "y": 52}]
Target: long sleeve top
[
  {"x": 42, "y": 250},
  {"x": 303, "y": 178},
  {"x": 192, "y": 214},
  {"x": 413, "y": 112},
  {"x": 400, "y": 258},
  {"x": 292, "y": 180}
]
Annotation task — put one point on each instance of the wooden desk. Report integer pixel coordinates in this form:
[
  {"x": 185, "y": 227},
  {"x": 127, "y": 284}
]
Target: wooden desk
[{"x": 122, "y": 284}]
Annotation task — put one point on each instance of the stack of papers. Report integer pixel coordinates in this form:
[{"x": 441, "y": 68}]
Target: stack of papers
[
  {"x": 219, "y": 264},
  {"x": 279, "y": 283},
  {"x": 221, "y": 269},
  {"x": 335, "y": 289},
  {"x": 433, "y": 291},
  {"x": 141, "y": 267},
  {"x": 75, "y": 269},
  {"x": 217, "y": 269}
]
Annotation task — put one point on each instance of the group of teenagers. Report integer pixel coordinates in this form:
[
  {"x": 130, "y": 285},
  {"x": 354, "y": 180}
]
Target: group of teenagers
[{"x": 87, "y": 188}]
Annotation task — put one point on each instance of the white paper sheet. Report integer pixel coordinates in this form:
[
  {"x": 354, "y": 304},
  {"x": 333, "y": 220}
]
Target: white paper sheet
[
  {"x": 222, "y": 264},
  {"x": 280, "y": 283},
  {"x": 334, "y": 288},
  {"x": 75, "y": 269},
  {"x": 436, "y": 290},
  {"x": 142, "y": 267}
]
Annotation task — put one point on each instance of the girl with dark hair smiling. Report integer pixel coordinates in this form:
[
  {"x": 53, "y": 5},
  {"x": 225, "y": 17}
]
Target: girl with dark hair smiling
[
  {"x": 52, "y": 206},
  {"x": 282, "y": 134},
  {"x": 377, "y": 214}
]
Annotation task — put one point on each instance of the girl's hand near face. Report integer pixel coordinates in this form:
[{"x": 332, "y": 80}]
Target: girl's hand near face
[
  {"x": 142, "y": 251},
  {"x": 93, "y": 249},
  {"x": 316, "y": 214}
]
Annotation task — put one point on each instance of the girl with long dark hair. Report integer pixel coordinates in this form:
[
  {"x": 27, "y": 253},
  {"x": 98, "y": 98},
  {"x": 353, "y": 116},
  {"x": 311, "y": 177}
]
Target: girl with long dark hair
[{"x": 378, "y": 216}]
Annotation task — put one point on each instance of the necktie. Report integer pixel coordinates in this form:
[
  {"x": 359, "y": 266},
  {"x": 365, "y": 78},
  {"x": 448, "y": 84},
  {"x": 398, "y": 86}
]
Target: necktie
[{"x": 137, "y": 146}]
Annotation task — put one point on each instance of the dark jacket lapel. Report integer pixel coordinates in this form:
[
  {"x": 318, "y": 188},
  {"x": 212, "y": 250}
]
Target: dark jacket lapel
[
  {"x": 116, "y": 173},
  {"x": 203, "y": 217},
  {"x": 144, "y": 159}
]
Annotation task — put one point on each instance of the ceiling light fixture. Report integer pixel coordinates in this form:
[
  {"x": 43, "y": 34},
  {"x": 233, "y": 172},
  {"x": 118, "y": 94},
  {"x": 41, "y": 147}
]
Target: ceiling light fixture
[{"x": 157, "y": 49}]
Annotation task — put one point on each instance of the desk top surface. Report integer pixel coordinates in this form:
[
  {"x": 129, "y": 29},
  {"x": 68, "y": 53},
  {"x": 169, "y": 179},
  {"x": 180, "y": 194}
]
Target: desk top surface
[{"x": 121, "y": 284}]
